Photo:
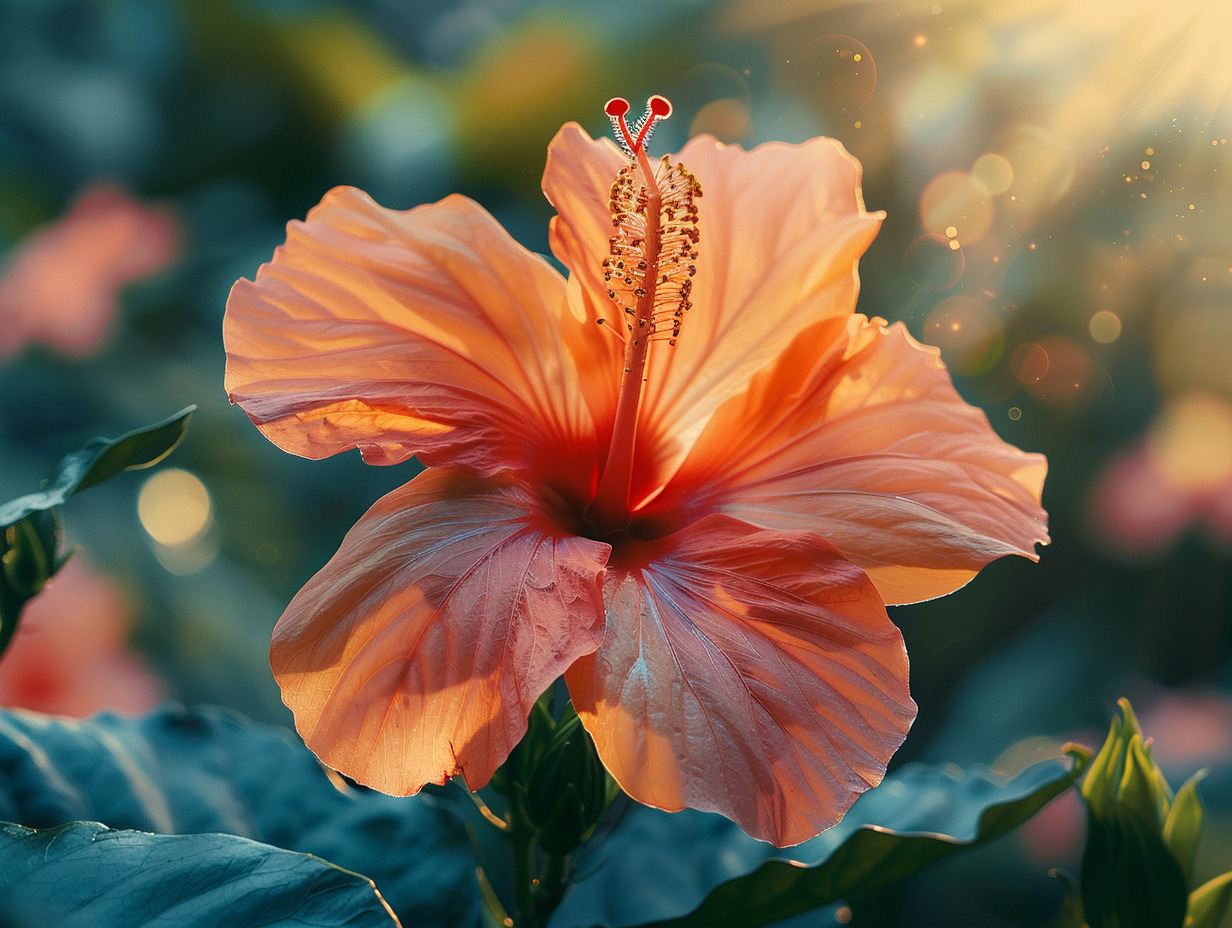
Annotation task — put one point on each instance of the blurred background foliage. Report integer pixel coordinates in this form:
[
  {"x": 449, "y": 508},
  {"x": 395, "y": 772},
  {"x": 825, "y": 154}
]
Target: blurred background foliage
[{"x": 1057, "y": 179}]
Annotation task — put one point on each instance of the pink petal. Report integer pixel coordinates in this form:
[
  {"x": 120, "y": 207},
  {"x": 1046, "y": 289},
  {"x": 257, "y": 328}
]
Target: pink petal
[
  {"x": 747, "y": 672},
  {"x": 857, "y": 433},
  {"x": 416, "y": 653},
  {"x": 427, "y": 332},
  {"x": 63, "y": 283}
]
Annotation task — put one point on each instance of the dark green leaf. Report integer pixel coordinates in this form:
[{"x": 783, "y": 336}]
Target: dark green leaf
[
  {"x": 184, "y": 772},
  {"x": 692, "y": 870},
  {"x": 28, "y": 558},
  {"x": 1130, "y": 879},
  {"x": 85, "y": 875},
  {"x": 98, "y": 460}
]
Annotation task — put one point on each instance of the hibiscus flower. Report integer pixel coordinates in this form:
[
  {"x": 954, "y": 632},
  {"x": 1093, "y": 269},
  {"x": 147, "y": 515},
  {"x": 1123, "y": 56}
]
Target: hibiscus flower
[
  {"x": 62, "y": 284},
  {"x": 687, "y": 477}
]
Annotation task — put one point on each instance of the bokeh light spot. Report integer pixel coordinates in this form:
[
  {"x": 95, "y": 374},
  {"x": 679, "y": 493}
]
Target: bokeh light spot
[
  {"x": 1029, "y": 363},
  {"x": 1105, "y": 327},
  {"x": 1069, "y": 378},
  {"x": 994, "y": 172},
  {"x": 174, "y": 507},
  {"x": 956, "y": 200},
  {"x": 968, "y": 332},
  {"x": 1042, "y": 162},
  {"x": 834, "y": 73},
  {"x": 726, "y": 120},
  {"x": 1015, "y": 413},
  {"x": 932, "y": 263}
]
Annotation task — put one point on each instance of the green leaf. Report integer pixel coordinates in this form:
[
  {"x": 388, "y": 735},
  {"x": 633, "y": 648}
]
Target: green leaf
[
  {"x": 176, "y": 771},
  {"x": 1129, "y": 877},
  {"x": 680, "y": 866},
  {"x": 1183, "y": 827},
  {"x": 1209, "y": 902},
  {"x": 98, "y": 460},
  {"x": 85, "y": 875},
  {"x": 28, "y": 558}
]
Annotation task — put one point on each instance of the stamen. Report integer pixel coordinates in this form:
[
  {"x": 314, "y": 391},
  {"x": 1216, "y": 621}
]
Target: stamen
[
  {"x": 649, "y": 275},
  {"x": 655, "y": 287}
]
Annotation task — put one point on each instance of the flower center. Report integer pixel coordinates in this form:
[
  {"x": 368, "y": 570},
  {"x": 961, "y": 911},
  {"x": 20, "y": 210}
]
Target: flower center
[{"x": 649, "y": 273}]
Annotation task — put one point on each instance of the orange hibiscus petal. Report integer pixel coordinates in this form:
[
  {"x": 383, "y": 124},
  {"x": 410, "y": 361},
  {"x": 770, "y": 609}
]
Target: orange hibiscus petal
[
  {"x": 782, "y": 227},
  {"x": 576, "y": 181},
  {"x": 427, "y": 332},
  {"x": 747, "y": 672},
  {"x": 857, "y": 433},
  {"x": 417, "y": 652}
]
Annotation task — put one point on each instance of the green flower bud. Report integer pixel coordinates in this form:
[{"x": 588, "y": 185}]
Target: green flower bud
[
  {"x": 1125, "y": 776},
  {"x": 567, "y": 790}
]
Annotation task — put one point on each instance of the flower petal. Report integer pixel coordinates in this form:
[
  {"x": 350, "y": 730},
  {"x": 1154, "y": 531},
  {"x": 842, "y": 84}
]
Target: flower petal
[
  {"x": 782, "y": 227},
  {"x": 577, "y": 181},
  {"x": 427, "y": 332},
  {"x": 416, "y": 653},
  {"x": 747, "y": 672},
  {"x": 857, "y": 433}
]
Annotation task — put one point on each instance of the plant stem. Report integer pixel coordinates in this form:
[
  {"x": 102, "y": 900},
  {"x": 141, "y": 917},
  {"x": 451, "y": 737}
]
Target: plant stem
[
  {"x": 552, "y": 886},
  {"x": 522, "y": 845}
]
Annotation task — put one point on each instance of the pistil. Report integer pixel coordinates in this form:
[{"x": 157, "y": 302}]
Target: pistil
[{"x": 649, "y": 272}]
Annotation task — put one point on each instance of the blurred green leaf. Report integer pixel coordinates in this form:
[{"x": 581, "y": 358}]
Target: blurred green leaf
[
  {"x": 85, "y": 875},
  {"x": 176, "y": 771},
  {"x": 101, "y": 459},
  {"x": 1209, "y": 902},
  {"x": 1129, "y": 877},
  {"x": 935, "y": 812},
  {"x": 1183, "y": 827}
]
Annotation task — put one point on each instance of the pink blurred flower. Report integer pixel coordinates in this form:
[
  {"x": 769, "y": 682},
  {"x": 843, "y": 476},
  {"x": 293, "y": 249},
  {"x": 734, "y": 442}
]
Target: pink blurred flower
[
  {"x": 61, "y": 283},
  {"x": 68, "y": 656},
  {"x": 1178, "y": 476}
]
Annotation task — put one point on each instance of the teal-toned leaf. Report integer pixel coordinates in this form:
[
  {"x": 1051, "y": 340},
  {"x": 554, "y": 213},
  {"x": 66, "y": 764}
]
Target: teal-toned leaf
[
  {"x": 694, "y": 870},
  {"x": 1209, "y": 902},
  {"x": 98, "y": 460},
  {"x": 1129, "y": 877},
  {"x": 176, "y": 771},
  {"x": 85, "y": 875}
]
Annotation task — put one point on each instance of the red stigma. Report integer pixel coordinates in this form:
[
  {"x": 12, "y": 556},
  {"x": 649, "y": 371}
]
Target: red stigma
[{"x": 657, "y": 108}]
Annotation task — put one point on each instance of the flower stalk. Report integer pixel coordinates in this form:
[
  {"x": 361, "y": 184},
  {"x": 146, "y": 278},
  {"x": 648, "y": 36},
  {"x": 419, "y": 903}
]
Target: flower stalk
[{"x": 556, "y": 791}]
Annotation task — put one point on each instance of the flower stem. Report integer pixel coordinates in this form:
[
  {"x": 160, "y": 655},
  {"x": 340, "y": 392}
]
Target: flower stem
[{"x": 522, "y": 846}]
